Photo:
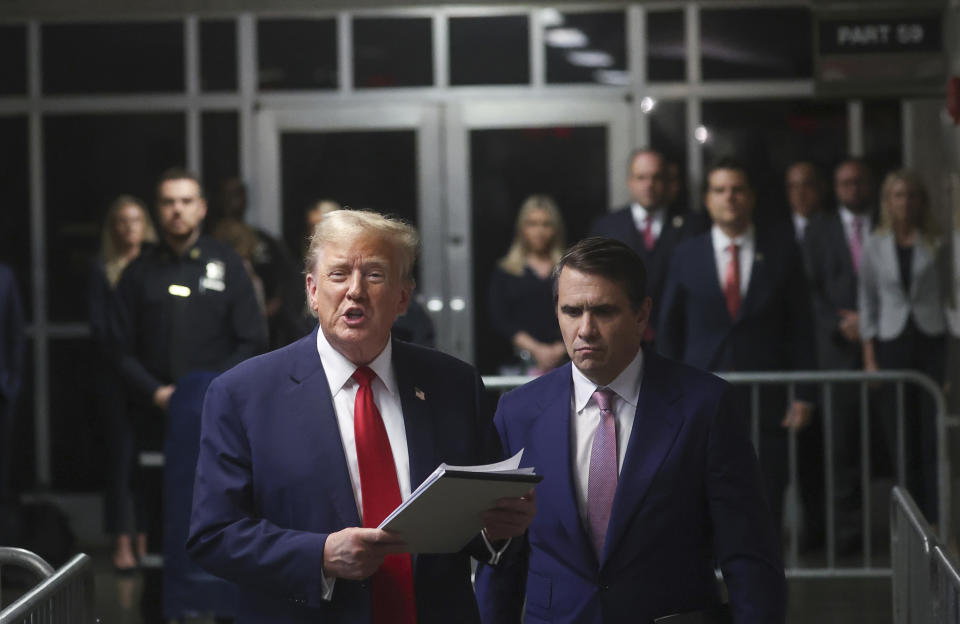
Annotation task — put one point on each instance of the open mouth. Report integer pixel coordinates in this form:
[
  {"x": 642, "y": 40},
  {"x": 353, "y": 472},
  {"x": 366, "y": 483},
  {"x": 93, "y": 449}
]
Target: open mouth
[{"x": 354, "y": 316}]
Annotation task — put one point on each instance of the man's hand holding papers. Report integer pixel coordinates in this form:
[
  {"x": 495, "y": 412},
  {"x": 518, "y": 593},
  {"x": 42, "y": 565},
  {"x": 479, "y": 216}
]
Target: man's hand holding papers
[{"x": 454, "y": 503}]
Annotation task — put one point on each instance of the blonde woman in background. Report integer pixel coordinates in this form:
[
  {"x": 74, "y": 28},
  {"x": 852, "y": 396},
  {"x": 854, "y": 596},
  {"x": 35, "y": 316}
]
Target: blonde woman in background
[
  {"x": 903, "y": 270},
  {"x": 126, "y": 228},
  {"x": 520, "y": 295}
]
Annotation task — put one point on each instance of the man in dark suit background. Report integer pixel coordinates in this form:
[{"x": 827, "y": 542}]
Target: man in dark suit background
[
  {"x": 737, "y": 299},
  {"x": 650, "y": 481},
  {"x": 804, "y": 188},
  {"x": 832, "y": 246},
  {"x": 306, "y": 449},
  {"x": 653, "y": 224}
]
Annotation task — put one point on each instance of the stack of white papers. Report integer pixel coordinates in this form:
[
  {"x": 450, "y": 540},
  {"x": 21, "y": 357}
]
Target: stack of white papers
[{"x": 443, "y": 514}]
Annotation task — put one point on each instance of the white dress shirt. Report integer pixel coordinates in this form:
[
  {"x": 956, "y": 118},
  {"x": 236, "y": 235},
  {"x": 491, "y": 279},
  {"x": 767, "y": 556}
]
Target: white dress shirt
[
  {"x": 343, "y": 389},
  {"x": 800, "y": 226},
  {"x": 339, "y": 371},
  {"x": 640, "y": 216},
  {"x": 721, "y": 254},
  {"x": 866, "y": 225},
  {"x": 585, "y": 416}
]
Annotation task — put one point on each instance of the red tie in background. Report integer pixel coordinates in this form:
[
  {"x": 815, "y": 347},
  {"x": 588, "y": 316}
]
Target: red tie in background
[
  {"x": 648, "y": 240},
  {"x": 731, "y": 281},
  {"x": 393, "y": 598}
]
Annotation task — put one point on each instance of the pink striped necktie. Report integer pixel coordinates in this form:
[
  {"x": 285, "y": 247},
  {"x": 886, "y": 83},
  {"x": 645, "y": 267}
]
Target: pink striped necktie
[{"x": 602, "y": 481}]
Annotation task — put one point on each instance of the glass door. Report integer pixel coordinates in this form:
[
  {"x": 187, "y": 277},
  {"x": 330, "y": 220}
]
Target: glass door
[
  {"x": 499, "y": 153},
  {"x": 384, "y": 158}
]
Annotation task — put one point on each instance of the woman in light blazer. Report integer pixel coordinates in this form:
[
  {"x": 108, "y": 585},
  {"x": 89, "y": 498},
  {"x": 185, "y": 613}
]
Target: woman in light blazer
[{"x": 902, "y": 321}]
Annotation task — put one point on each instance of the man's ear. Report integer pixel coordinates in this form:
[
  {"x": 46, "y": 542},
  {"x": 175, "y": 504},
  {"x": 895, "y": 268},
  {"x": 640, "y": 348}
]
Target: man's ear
[{"x": 311, "y": 287}]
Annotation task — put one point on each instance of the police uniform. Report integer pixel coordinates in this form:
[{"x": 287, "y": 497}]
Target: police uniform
[{"x": 180, "y": 314}]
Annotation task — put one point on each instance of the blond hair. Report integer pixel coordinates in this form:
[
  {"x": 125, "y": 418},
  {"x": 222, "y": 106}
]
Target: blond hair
[
  {"x": 516, "y": 259},
  {"x": 349, "y": 224},
  {"x": 113, "y": 261},
  {"x": 926, "y": 223}
]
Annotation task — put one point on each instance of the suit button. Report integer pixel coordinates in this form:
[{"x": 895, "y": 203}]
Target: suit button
[{"x": 604, "y": 587}]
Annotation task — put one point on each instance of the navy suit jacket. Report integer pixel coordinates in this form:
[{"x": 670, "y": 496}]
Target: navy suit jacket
[
  {"x": 678, "y": 225},
  {"x": 272, "y": 482},
  {"x": 689, "y": 498},
  {"x": 773, "y": 329},
  {"x": 834, "y": 284}
]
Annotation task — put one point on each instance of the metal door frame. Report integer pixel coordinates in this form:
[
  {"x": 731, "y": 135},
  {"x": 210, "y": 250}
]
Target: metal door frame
[
  {"x": 423, "y": 118},
  {"x": 532, "y": 112}
]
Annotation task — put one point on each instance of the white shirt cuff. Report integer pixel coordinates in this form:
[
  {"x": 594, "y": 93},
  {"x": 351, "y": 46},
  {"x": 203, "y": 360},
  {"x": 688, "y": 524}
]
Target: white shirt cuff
[
  {"x": 495, "y": 554},
  {"x": 327, "y": 585}
]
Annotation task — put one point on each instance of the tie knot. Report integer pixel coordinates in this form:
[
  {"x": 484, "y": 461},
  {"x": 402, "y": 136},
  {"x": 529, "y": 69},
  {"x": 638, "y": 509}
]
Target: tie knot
[
  {"x": 604, "y": 399},
  {"x": 733, "y": 248},
  {"x": 363, "y": 375}
]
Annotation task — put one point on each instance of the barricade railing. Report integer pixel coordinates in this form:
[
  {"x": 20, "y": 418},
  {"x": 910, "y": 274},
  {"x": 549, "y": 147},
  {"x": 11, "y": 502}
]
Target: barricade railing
[
  {"x": 63, "y": 596},
  {"x": 826, "y": 383},
  {"x": 926, "y": 576},
  {"x": 911, "y": 544}
]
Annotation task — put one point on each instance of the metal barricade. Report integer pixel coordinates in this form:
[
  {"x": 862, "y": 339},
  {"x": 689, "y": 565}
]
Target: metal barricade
[
  {"x": 63, "y": 596},
  {"x": 827, "y": 382},
  {"x": 946, "y": 586},
  {"x": 911, "y": 544}
]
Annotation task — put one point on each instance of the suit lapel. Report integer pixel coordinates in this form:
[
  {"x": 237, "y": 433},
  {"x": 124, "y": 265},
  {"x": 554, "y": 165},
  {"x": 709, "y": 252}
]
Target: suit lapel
[
  {"x": 711, "y": 285},
  {"x": 417, "y": 417},
  {"x": 758, "y": 274},
  {"x": 313, "y": 405},
  {"x": 841, "y": 244},
  {"x": 921, "y": 260},
  {"x": 556, "y": 465},
  {"x": 654, "y": 431}
]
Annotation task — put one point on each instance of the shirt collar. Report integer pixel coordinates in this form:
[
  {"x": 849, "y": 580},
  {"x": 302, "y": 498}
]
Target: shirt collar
[
  {"x": 339, "y": 369},
  {"x": 626, "y": 385},
  {"x": 721, "y": 241},
  {"x": 847, "y": 216},
  {"x": 645, "y": 213}
]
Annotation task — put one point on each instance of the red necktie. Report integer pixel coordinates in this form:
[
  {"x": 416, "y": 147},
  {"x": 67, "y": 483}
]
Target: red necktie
[
  {"x": 731, "y": 281},
  {"x": 648, "y": 240},
  {"x": 393, "y": 598}
]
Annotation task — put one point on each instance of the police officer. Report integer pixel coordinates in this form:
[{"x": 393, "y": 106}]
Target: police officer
[
  {"x": 184, "y": 306},
  {"x": 187, "y": 304}
]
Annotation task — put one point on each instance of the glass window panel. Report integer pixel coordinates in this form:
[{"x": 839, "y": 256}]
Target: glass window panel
[
  {"x": 392, "y": 52},
  {"x": 129, "y": 57},
  {"x": 489, "y": 50},
  {"x": 78, "y": 429},
  {"x": 374, "y": 169},
  {"x": 666, "y": 46},
  {"x": 15, "y": 216},
  {"x": 882, "y": 136},
  {"x": 220, "y": 132},
  {"x": 508, "y": 165},
  {"x": 297, "y": 53},
  {"x": 756, "y": 43},
  {"x": 588, "y": 47},
  {"x": 13, "y": 60},
  {"x": 89, "y": 161},
  {"x": 668, "y": 135},
  {"x": 768, "y": 135},
  {"x": 218, "y": 55}
]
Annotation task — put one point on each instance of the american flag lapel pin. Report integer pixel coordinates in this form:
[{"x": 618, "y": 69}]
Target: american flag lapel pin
[{"x": 419, "y": 393}]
